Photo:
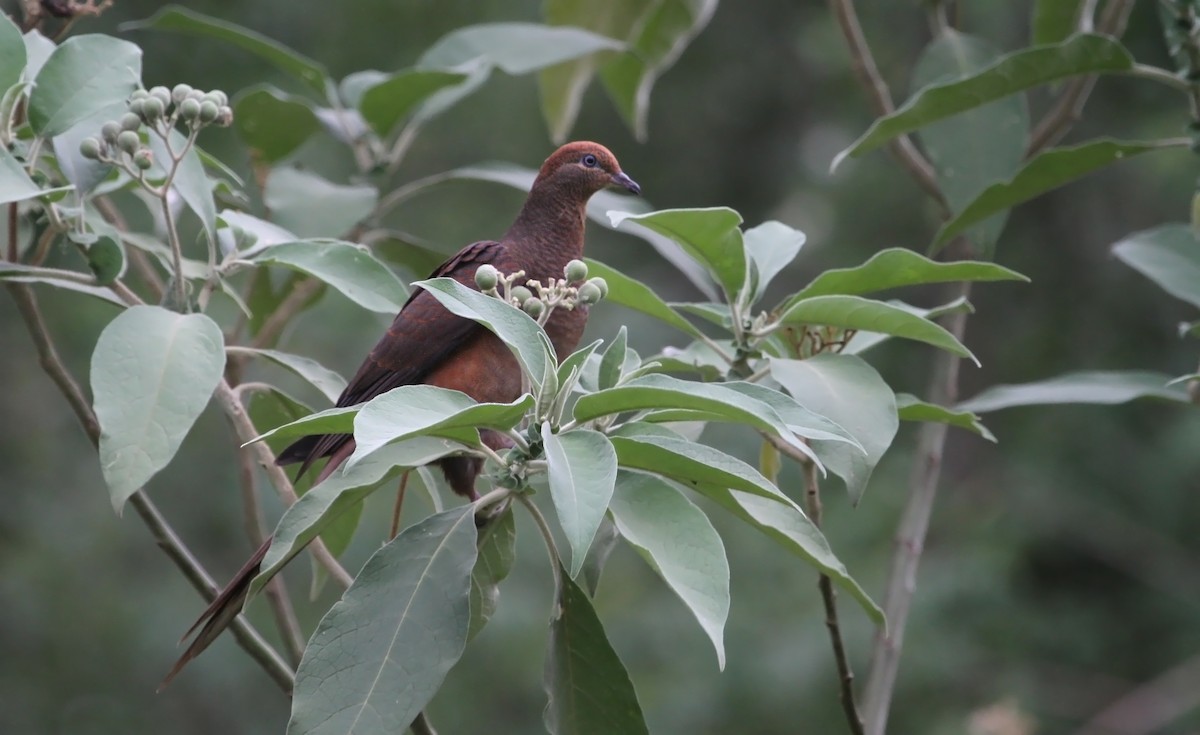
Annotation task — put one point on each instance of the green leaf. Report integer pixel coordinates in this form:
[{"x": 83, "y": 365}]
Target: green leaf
[
  {"x": 236, "y": 228},
  {"x": 679, "y": 542},
  {"x": 697, "y": 466},
  {"x": 1183, "y": 379},
  {"x": 634, "y": 294},
  {"x": 1084, "y": 53},
  {"x": 393, "y": 98},
  {"x": 582, "y": 469},
  {"x": 427, "y": 410},
  {"x": 911, "y": 408},
  {"x": 597, "y": 556},
  {"x": 12, "y": 53},
  {"x": 272, "y": 407},
  {"x": 18, "y": 273},
  {"x": 153, "y": 372},
  {"x": 514, "y": 48},
  {"x": 181, "y": 20},
  {"x": 1097, "y": 387},
  {"x": 272, "y": 122},
  {"x": 317, "y": 375},
  {"x": 1054, "y": 20},
  {"x": 497, "y": 552},
  {"x": 977, "y": 147},
  {"x": 37, "y": 49},
  {"x": 513, "y": 326},
  {"x": 770, "y": 247},
  {"x": 651, "y": 392},
  {"x": 106, "y": 258},
  {"x": 863, "y": 341},
  {"x": 347, "y": 267},
  {"x": 15, "y": 184},
  {"x": 612, "y": 362},
  {"x": 1049, "y": 170},
  {"x": 381, "y": 652},
  {"x": 1169, "y": 255},
  {"x": 799, "y": 419},
  {"x": 660, "y": 36},
  {"x": 896, "y": 267},
  {"x": 190, "y": 180},
  {"x": 311, "y": 206},
  {"x": 339, "y": 493},
  {"x": 85, "y": 174},
  {"x": 589, "y": 690},
  {"x": 711, "y": 236},
  {"x": 855, "y": 312},
  {"x": 84, "y": 75},
  {"x": 337, "y": 420},
  {"x": 850, "y": 392}
]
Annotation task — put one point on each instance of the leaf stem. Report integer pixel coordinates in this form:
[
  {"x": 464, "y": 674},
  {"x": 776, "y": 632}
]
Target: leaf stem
[{"x": 548, "y": 537}]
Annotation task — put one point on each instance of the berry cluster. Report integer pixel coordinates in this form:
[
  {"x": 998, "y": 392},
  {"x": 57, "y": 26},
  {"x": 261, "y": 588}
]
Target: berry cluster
[
  {"x": 574, "y": 289},
  {"x": 160, "y": 109}
]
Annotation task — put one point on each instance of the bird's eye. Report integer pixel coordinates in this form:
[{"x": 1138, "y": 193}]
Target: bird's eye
[{"x": 589, "y": 160}]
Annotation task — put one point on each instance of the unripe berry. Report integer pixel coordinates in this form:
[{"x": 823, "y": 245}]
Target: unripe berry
[
  {"x": 180, "y": 92},
  {"x": 189, "y": 110},
  {"x": 139, "y": 94},
  {"x": 128, "y": 141},
  {"x": 520, "y": 294},
  {"x": 208, "y": 111},
  {"x": 143, "y": 159},
  {"x": 153, "y": 109},
  {"x": 225, "y": 116},
  {"x": 487, "y": 277},
  {"x": 534, "y": 307},
  {"x": 575, "y": 271},
  {"x": 589, "y": 293},
  {"x": 162, "y": 94},
  {"x": 90, "y": 148},
  {"x": 217, "y": 97},
  {"x": 110, "y": 130},
  {"x": 136, "y": 105},
  {"x": 130, "y": 121},
  {"x": 601, "y": 284}
]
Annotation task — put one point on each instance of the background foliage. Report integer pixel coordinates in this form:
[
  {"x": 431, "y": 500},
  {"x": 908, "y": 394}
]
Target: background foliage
[{"x": 1062, "y": 565}]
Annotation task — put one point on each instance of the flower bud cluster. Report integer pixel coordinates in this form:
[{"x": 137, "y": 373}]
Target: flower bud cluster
[
  {"x": 539, "y": 300},
  {"x": 159, "y": 109}
]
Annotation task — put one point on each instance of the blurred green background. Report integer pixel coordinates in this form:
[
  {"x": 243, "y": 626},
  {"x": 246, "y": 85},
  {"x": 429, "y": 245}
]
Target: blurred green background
[{"x": 1062, "y": 566}]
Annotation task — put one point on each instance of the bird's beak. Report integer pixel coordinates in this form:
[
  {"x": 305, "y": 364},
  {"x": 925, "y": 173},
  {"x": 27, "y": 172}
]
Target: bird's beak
[{"x": 622, "y": 180}]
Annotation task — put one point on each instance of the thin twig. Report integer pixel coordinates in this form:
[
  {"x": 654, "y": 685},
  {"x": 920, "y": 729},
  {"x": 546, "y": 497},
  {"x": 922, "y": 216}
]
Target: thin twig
[
  {"x": 249, "y": 639},
  {"x": 829, "y": 597},
  {"x": 910, "y": 537},
  {"x": 863, "y": 63},
  {"x": 273, "y": 326},
  {"x": 137, "y": 257}
]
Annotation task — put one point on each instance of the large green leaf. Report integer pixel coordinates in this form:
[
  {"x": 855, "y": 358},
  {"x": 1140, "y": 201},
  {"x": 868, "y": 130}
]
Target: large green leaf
[
  {"x": 799, "y": 419},
  {"x": 863, "y": 341},
  {"x": 770, "y": 247},
  {"x": 979, "y": 146},
  {"x": 911, "y": 408},
  {"x": 514, "y": 48},
  {"x": 1049, "y": 170},
  {"x": 679, "y": 542},
  {"x": 12, "y": 53},
  {"x": 395, "y": 96},
  {"x": 339, "y": 493},
  {"x": 180, "y": 19},
  {"x": 320, "y": 377},
  {"x": 659, "y": 37},
  {"x": 153, "y": 372},
  {"x": 351, "y": 269},
  {"x": 381, "y": 653},
  {"x": 711, "y": 236},
  {"x": 272, "y": 122},
  {"x": 1099, "y": 387},
  {"x": 15, "y": 184},
  {"x": 850, "y": 392},
  {"x": 1169, "y": 255},
  {"x": 84, "y": 75},
  {"x": 311, "y": 206},
  {"x": 588, "y": 688},
  {"x": 427, "y": 410},
  {"x": 497, "y": 552},
  {"x": 37, "y": 49},
  {"x": 1015, "y": 72},
  {"x": 582, "y": 469},
  {"x": 896, "y": 267},
  {"x": 1054, "y": 20},
  {"x": 513, "y": 326},
  {"x": 634, "y": 294},
  {"x": 855, "y": 312},
  {"x": 697, "y": 466}
]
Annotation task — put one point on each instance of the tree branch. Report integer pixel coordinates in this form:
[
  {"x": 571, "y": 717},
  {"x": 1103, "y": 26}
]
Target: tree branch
[
  {"x": 292, "y": 303},
  {"x": 863, "y": 63}
]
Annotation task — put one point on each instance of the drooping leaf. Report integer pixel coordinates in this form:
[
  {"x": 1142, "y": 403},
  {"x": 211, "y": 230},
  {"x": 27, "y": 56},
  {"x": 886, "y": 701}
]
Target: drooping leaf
[
  {"x": 896, "y": 267},
  {"x": 427, "y": 410},
  {"x": 15, "y": 184},
  {"x": 84, "y": 75},
  {"x": 152, "y": 374},
  {"x": 697, "y": 466},
  {"x": 612, "y": 362},
  {"x": 976, "y": 147},
  {"x": 320, "y": 377},
  {"x": 311, "y": 206},
  {"x": 711, "y": 236},
  {"x": 1049, "y": 170},
  {"x": 182, "y": 20},
  {"x": 1084, "y": 53},
  {"x": 588, "y": 688},
  {"x": 597, "y": 557},
  {"x": 1054, "y": 20},
  {"x": 1169, "y": 255},
  {"x": 1098, "y": 387},
  {"x": 911, "y": 408},
  {"x": 273, "y": 123},
  {"x": 12, "y": 53},
  {"x": 850, "y": 392},
  {"x": 330, "y": 421},
  {"x": 513, "y": 326},
  {"x": 497, "y": 552},
  {"x": 381, "y": 652},
  {"x": 351, "y": 269},
  {"x": 634, "y": 294},
  {"x": 679, "y": 542},
  {"x": 582, "y": 468},
  {"x": 394, "y": 97},
  {"x": 770, "y": 247},
  {"x": 855, "y": 312}
]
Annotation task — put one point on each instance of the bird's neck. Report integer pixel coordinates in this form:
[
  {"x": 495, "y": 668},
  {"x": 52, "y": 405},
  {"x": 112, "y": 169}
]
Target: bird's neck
[{"x": 549, "y": 228}]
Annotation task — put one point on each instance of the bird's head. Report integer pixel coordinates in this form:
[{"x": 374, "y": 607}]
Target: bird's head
[{"x": 584, "y": 167}]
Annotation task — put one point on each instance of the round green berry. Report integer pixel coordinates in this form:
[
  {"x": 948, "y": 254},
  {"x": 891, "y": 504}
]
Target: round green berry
[
  {"x": 217, "y": 97},
  {"x": 575, "y": 271},
  {"x": 110, "y": 130},
  {"x": 139, "y": 94},
  {"x": 131, "y": 121},
  {"x": 601, "y": 284},
  {"x": 162, "y": 94},
  {"x": 136, "y": 105},
  {"x": 143, "y": 159},
  {"x": 589, "y": 293},
  {"x": 520, "y": 294},
  {"x": 90, "y": 148},
  {"x": 153, "y": 109},
  {"x": 208, "y": 111},
  {"x": 189, "y": 109},
  {"x": 128, "y": 141},
  {"x": 180, "y": 92},
  {"x": 486, "y": 277},
  {"x": 534, "y": 307}
]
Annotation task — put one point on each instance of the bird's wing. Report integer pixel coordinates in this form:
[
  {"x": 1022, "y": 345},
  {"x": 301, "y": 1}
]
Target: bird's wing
[{"x": 423, "y": 336}]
